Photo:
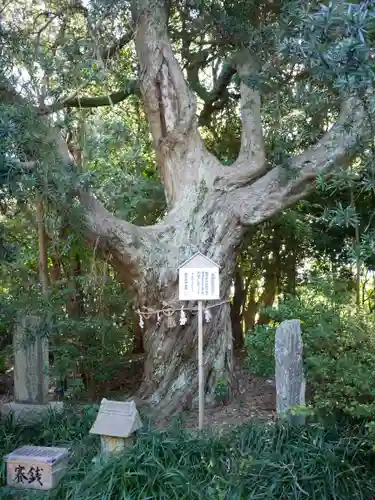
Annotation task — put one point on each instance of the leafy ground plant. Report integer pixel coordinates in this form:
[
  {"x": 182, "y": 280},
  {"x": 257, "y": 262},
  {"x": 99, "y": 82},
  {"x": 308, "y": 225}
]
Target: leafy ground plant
[{"x": 251, "y": 462}]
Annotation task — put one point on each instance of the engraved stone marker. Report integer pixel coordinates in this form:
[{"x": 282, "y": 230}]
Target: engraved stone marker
[
  {"x": 31, "y": 366},
  {"x": 36, "y": 467},
  {"x": 116, "y": 423},
  {"x": 290, "y": 380},
  {"x": 30, "y": 362}
]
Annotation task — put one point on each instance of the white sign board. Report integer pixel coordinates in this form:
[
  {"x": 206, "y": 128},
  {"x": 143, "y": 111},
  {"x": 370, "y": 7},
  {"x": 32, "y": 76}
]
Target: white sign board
[{"x": 199, "y": 279}]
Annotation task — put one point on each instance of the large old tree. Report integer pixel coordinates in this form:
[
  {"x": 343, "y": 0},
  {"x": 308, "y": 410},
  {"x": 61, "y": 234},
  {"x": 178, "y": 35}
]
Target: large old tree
[{"x": 262, "y": 54}]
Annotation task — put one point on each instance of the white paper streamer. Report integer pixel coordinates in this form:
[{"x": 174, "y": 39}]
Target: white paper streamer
[
  {"x": 141, "y": 322},
  {"x": 207, "y": 315},
  {"x": 183, "y": 318},
  {"x": 169, "y": 310}
]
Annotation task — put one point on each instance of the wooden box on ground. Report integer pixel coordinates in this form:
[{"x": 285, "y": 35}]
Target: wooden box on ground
[{"x": 36, "y": 467}]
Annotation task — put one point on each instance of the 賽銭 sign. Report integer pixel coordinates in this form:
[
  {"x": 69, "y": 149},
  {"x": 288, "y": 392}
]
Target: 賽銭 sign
[{"x": 36, "y": 467}]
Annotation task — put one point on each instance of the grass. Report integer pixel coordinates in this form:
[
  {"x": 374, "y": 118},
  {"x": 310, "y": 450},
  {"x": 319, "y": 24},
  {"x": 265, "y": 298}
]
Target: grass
[{"x": 251, "y": 462}]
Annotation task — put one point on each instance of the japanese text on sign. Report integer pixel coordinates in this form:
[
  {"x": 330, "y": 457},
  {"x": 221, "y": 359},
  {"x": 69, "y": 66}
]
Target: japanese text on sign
[
  {"x": 22, "y": 475},
  {"x": 199, "y": 284}
]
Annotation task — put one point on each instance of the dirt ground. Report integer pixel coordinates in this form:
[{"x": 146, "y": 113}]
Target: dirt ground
[{"x": 253, "y": 398}]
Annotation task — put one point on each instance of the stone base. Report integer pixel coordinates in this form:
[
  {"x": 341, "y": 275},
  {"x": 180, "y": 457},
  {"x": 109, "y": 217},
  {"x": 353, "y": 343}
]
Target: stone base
[{"x": 30, "y": 412}]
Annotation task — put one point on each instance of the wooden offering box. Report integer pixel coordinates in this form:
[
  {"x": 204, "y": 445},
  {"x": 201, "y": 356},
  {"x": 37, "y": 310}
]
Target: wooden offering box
[{"x": 36, "y": 467}]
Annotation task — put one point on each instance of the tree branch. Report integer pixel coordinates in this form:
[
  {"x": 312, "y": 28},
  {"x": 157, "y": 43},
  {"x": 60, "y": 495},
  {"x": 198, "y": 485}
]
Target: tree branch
[
  {"x": 114, "y": 49},
  {"x": 169, "y": 104},
  {"x": 252, "y": 146},
  {"x": 93, "y": 102},
  {"x": 282, "y": 187},
  {"x": 219, "y": 94},
  {"x": 251, "y": 161},
  {"x": 125, "y": 241},
  {"x": 196, "y": 62}
]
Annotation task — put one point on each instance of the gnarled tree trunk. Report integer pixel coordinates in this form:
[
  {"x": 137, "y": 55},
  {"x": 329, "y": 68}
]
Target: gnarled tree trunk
[
  {"x": 209, "y": 205},
  {"x": 171, "y": 367},
  {"x": 170, "y": 379}
]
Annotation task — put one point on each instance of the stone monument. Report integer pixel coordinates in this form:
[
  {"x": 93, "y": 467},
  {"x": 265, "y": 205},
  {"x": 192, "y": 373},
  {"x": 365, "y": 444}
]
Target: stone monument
[
  {"x": 290, "y": 380},
  {"x": 31, "y": 368}
]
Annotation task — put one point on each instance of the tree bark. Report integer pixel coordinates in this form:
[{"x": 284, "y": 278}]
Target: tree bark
[
  {"x": 251, "y": 308},
  {"x": 43, "y": 244},
  {"x": 291, "y": 273},
  {"x": 267, "y": 299},
  {"x": 268, "y": 295},
  {"x": 237, "y": 309},
  {"x": 75, "y": 301},
  {"x": 138, "y": 347},
  {"x": 170, "y": 379}
]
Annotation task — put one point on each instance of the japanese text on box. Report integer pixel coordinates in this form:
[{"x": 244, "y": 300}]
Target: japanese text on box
[{"x": 27, "y": 474}]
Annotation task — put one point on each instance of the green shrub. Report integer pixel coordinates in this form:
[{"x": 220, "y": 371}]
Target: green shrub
[
  {"x": 91, "y": 341},
  {"x": 339, "y": 350},
  {"x": 251, "y": 462},
  {"x": 260, "y": 344},
  {"x": 221, "y": 391}
]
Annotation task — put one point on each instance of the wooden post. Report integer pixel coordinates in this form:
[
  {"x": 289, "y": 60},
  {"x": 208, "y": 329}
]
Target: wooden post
[{"x": 200, "y": 365}]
